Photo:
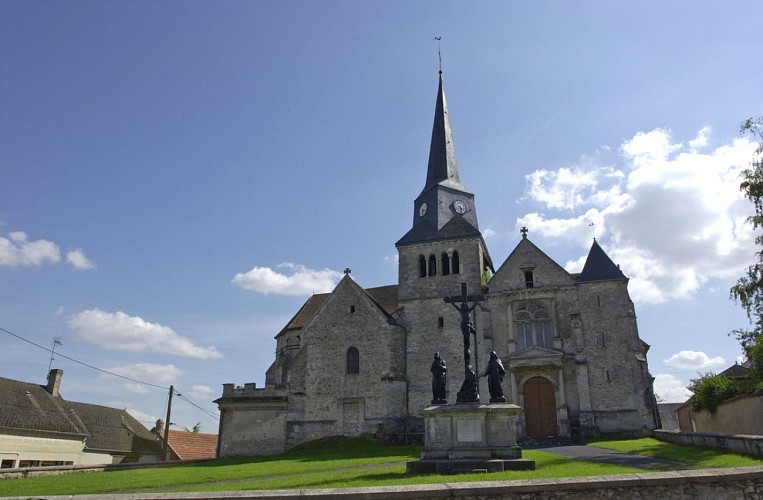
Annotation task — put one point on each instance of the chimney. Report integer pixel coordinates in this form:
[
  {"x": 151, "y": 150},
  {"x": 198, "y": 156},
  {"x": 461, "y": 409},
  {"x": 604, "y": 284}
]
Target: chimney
[
  {"x": 159, "y": 429},
  {"x": 54, "y": 381}
]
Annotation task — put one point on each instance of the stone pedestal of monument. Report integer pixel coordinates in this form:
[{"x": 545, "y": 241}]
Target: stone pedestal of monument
[{"x": 470, "y": 437}]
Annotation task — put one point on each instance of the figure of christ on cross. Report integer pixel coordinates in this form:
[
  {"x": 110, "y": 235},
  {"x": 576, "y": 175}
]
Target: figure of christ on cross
[{"x": 469, "y": 392}]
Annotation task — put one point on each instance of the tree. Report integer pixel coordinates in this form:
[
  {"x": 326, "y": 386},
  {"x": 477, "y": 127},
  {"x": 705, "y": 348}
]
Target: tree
[
  {"x": 710, "y": 390},
  {"x": 748, "y": 290},
  {"x": 196, "y": 428}
]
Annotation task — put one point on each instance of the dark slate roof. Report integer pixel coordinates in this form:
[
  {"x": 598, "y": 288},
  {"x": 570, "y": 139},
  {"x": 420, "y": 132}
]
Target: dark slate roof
[
  {"x": 305, "y": 313},
  {"x": 193, "y": 445},
  {"x": 26, "y": 406},
  {"x": 386, "y": 298},
  {"x": 424, "y": 231},
  {"x": 30, "y": 407},
  {"x": 442, "y": 168},
  {"x": 598, "y": 266},
  {"x": 112, "y": 429},
  {"x": 735, "y": 371}
]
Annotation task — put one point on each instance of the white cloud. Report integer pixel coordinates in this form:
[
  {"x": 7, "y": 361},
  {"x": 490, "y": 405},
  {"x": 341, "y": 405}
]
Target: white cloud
[
  {"x": 672, "y": 217},
  {"x": 144, "y": 418},
  {"x": 670, "y": 388},
  {"x": 131, "y": 333},
  {"x": 694, "y": 360},
  {"x": 202, "y": 392},
  {"x": 17, "y": 250},
  {"x": 147, "y": 372},
  {"x": 302, "y": 281},
  {"x": 488, "y": 233},
  {"x": 79, "y": 260}
]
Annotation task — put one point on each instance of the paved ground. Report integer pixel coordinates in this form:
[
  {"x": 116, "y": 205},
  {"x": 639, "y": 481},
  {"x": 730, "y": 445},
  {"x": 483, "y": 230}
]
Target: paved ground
[{"x": 591, "y": 454}]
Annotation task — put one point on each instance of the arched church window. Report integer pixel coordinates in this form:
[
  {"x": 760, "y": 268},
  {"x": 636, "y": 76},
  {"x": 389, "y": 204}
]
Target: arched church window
[
  {"x": 455, "y": 264},
  {"x": 432, "y": 265},
  {"x": 422, "y": 266},
  {"x": 353, "y": 360},
  {"x": 445, "y": 264},
  {"x": 534, "y": 327}
]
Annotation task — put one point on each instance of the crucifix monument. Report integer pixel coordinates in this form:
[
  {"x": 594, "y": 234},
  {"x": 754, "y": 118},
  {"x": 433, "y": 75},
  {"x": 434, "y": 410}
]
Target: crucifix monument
[{"x": 469, "y": 392}]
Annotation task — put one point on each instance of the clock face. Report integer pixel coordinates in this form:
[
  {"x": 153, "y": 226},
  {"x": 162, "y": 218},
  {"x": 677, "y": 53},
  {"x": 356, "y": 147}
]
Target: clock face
[
  {"x": 459, "y": 207},
  {"x": 422, "y": 210}
]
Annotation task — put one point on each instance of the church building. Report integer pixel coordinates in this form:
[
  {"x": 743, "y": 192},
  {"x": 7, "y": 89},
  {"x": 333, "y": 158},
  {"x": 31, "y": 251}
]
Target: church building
[{"x": 357, "y": 361}]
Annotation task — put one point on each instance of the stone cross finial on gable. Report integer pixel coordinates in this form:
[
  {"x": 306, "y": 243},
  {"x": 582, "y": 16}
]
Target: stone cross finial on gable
[
  {"x": 523, "y": 231},
  {"x": 347, "y": 270}
]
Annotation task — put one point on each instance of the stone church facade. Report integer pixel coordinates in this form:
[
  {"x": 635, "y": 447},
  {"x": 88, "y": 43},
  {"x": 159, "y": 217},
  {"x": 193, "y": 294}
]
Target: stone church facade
[{"x": 356, "y": 361}]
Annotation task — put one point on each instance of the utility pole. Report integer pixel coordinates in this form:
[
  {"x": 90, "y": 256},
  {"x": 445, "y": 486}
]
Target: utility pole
[{"x": 166, "y": 452}]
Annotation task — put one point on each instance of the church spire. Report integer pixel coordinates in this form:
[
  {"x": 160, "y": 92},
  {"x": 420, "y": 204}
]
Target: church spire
[{"x": 442, "y": 152}]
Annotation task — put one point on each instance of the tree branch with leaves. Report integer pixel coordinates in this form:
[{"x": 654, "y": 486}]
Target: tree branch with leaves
[{"x": 748, "y": 291}]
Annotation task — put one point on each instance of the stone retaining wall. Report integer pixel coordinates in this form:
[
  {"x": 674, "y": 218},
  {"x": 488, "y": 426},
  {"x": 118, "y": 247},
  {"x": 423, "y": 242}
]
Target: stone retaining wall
[
  {"x": 739, "y": 483},
  {"x": 738, "y": 443}
]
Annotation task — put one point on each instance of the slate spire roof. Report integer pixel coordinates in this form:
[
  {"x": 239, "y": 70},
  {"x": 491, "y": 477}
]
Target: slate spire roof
[
  {"x": 442, "y": 168},
  {"x": 598, "y": 266}
]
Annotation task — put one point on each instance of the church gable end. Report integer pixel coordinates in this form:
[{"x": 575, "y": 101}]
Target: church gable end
[
  {"x": 528, "y": 267},
  {"x": 353, "y": 353}
]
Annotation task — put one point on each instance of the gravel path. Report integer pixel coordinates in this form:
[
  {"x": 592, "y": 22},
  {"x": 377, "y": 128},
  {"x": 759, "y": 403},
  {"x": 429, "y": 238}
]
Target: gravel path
[{"x": 592, "y": 454}]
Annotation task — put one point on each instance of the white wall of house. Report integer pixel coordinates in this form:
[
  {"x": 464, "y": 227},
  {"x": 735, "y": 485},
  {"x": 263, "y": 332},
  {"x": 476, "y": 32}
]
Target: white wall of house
[{"x": 41, "y": 449}]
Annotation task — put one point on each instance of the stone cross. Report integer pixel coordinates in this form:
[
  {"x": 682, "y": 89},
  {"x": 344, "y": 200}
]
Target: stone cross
[
  {"x": 461, "y": 303},
  {"x": 523, "y": 231}
]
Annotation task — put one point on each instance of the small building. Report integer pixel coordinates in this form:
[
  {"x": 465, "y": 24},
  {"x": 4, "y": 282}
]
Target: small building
[{"x": 39, "y": 428}]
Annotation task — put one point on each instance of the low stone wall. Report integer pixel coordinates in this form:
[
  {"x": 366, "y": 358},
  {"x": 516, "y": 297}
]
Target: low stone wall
[
  {"x": 740, "y": 483},
  {"x": 738, "y": 443}
]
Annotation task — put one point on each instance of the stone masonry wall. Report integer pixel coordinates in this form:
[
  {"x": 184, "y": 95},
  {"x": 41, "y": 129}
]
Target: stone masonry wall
[
  {"x": 421, "y": 308},
  {"x": 620, "y": 384}
]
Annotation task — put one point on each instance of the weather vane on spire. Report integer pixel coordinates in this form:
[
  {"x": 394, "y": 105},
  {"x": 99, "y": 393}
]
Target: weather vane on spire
[
  {"x": 593, "y": 229},
  {"x": 439, "y": 54}
]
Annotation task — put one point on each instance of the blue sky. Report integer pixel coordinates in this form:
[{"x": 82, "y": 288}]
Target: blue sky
[{"x": 177, "y": 177}]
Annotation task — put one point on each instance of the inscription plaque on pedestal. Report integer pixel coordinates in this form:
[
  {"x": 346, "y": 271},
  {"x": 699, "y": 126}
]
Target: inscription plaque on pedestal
[{"x": 468, "y": 431}]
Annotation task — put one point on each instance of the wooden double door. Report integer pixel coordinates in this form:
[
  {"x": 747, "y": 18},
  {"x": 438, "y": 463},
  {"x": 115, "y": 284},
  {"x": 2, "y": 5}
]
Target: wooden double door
[{"x": 540, "y": 408}]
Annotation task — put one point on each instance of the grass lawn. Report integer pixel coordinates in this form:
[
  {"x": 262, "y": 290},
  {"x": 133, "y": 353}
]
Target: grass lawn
[{"x": 337, "y": 463}]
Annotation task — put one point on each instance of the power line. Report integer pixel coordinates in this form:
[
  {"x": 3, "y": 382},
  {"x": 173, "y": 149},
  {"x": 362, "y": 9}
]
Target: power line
[
  {"x": 206, "y": 412},
  {"x": 83, "y": 363}
]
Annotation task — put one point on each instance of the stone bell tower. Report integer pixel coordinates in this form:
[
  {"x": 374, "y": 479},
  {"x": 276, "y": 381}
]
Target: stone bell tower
[{"x": 443, "y": 249}]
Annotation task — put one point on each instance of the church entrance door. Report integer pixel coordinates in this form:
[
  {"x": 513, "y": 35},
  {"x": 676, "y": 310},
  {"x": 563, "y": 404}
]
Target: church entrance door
[{"x": 540, "y": 408}]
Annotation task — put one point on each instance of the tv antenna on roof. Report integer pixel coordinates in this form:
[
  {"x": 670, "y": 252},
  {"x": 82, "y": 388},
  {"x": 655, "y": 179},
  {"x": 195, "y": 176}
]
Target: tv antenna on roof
[{"x": 56, "y": 341}]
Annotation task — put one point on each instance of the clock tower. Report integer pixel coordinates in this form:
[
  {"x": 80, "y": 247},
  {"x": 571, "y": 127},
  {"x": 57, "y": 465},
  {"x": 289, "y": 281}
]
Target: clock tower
[{"x": 443, "y": 249}]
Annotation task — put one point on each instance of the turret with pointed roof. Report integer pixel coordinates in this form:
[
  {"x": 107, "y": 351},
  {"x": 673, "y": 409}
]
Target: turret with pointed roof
[{"x": 598, "y": 266}]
